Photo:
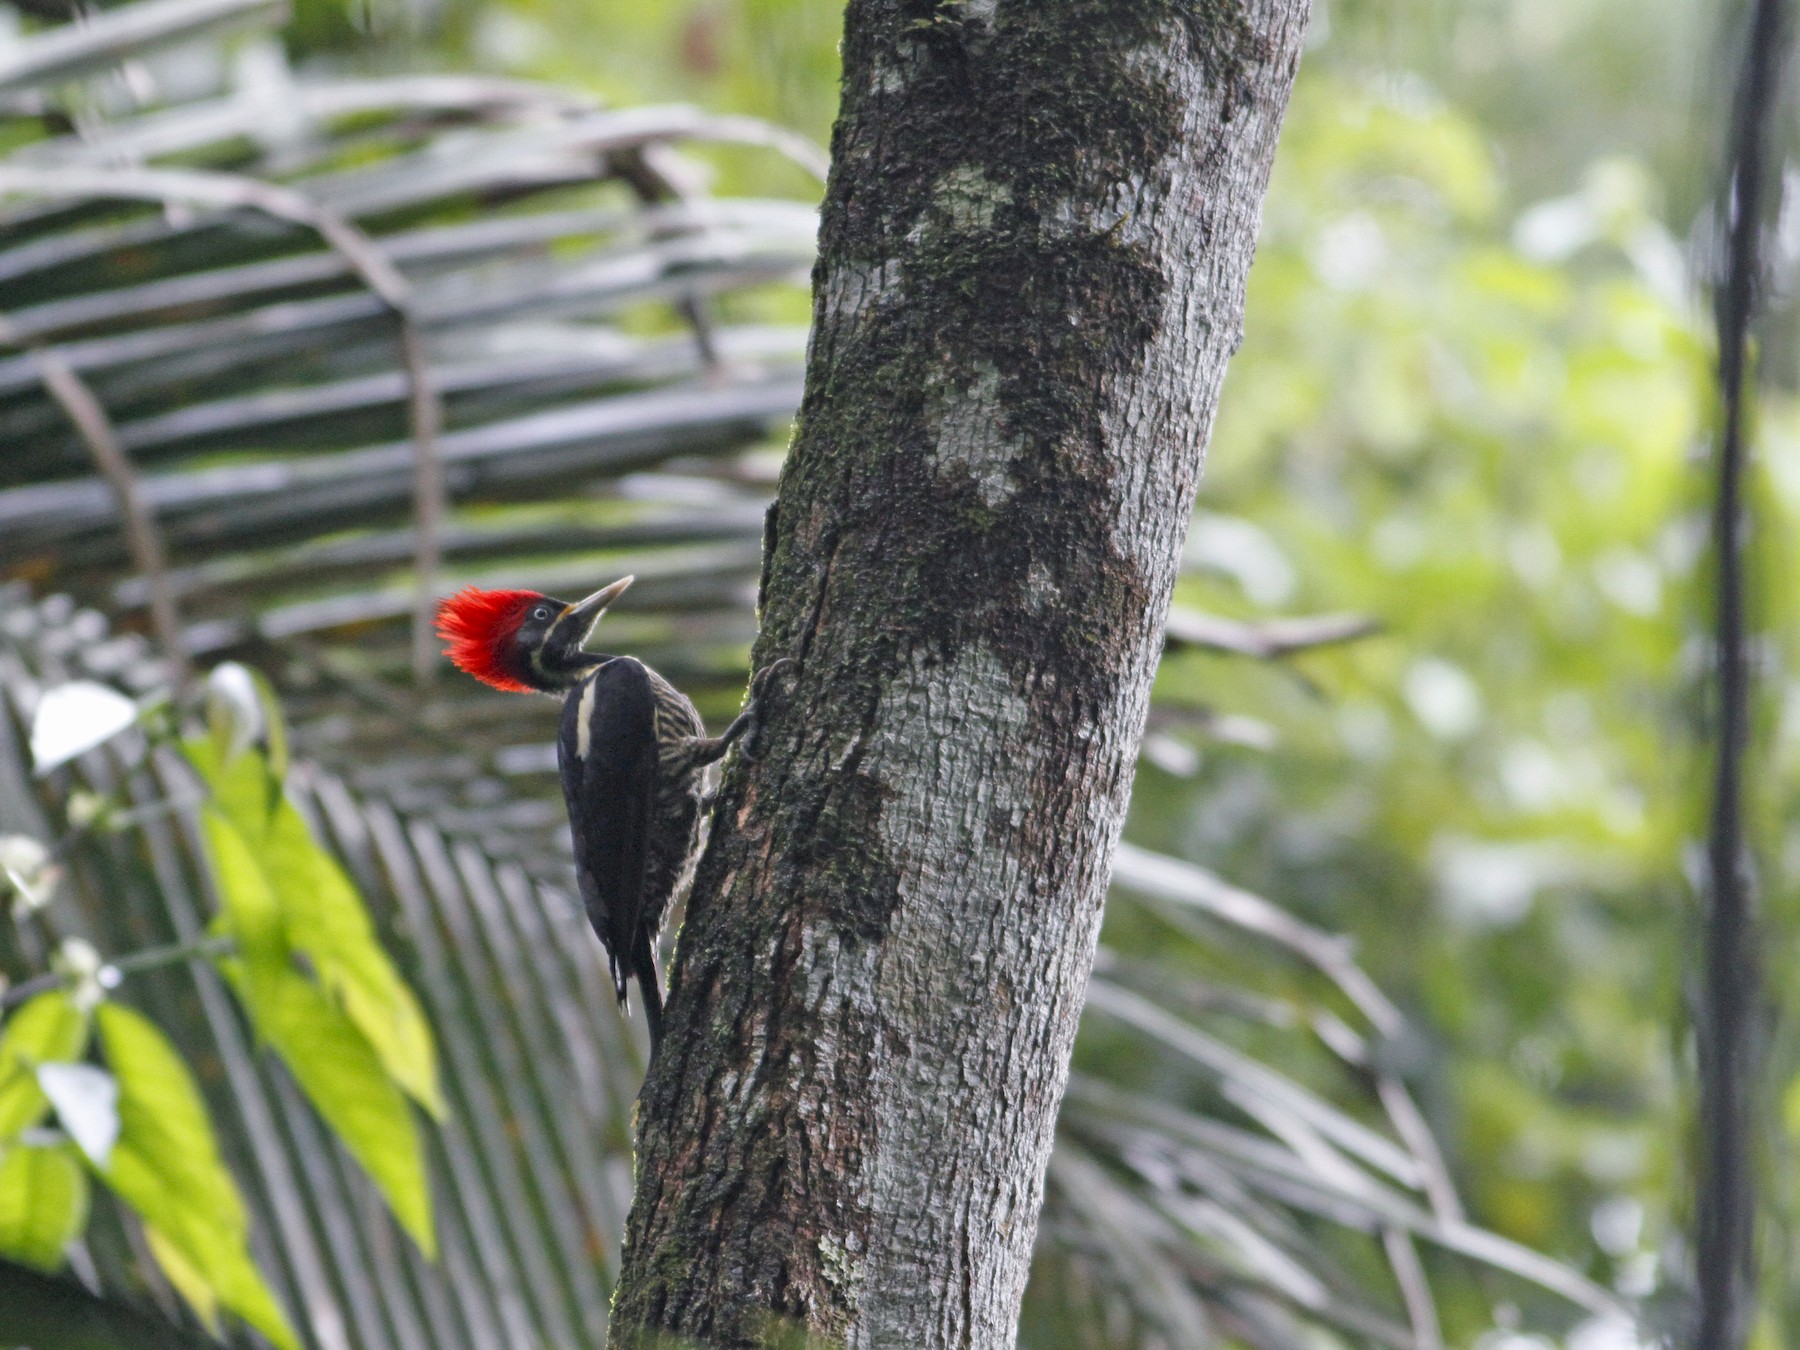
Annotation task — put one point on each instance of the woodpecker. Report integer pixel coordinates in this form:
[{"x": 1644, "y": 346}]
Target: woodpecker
[{"x": 631, "y": 751}]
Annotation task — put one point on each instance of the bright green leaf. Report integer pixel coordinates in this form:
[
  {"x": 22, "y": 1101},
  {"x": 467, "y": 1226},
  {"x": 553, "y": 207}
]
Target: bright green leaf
[
  {"x": 343, "y": 1077},
  {"x": 396, "y": 1028},
  {"x": 185, "y": 1276},
  {"x": 251, "y": 910},
  {"x": 166, "y": 1166},
  {"x": 274, "y": 725},
  {"x": 325, "y": 918},
  {"x": 43, "y": 1204},
  {"x": 281, "y": 891},
  {"x": 46, "y": 1029},
  {"x": 1790, "y": 1108},
  {"x": 243, "y": 789},
  {"x": 163, "y": 1120}
]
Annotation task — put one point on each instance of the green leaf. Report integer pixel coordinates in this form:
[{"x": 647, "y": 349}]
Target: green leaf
[
  {"x": 243, "y": 789},
  {"x": 325, "y": 917},
  {"x": 251, "y": 910},
  {"x": 1790, "y": 1108},
  {"x": 163, "y": 1122},
  {"x": 400, "y": 1036},
  {"x": 282, "y": 892},
  {"x": 166, "y": 1166},
  {"x": 46, "y": 1029},
  {"x": 274, "y": 725},
  {"x": 185, "y": 1276},
  {"x": 43, "y": 1204},
  {"x": 343, "y": 1077}
]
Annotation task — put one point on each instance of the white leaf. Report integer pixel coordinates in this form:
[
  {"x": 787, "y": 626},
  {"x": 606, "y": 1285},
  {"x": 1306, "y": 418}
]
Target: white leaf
[
  {"x": 233, "y": 709},
  {"x": 87, "y": 1103},
  {"x": 72, "y": 719}
]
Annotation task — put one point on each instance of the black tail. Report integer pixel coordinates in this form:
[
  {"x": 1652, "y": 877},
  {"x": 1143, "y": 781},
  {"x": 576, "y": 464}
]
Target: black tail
[{"x": 643, "y": 965}]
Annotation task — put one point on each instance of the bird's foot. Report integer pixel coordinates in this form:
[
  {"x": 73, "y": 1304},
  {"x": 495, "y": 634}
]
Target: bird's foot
[
  {"x": 759, "y": 684},
  {"x": 760, "y": 680}
]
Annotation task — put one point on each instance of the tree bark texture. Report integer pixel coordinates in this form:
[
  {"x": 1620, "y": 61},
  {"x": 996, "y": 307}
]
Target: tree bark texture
[{"x": 1032, "y": 259}]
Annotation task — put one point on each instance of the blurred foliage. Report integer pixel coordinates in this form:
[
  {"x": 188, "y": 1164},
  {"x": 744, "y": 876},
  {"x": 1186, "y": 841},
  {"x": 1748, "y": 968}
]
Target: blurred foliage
[
  {"x": 1488, "y": 450},
  {"x": 1472, "y": 400},
  {"x": 295, "y": 941}
]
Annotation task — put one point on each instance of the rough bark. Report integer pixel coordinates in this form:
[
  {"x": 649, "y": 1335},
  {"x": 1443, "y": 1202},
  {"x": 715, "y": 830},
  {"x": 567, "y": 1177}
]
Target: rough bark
[{"x": 1034, "y": 243}]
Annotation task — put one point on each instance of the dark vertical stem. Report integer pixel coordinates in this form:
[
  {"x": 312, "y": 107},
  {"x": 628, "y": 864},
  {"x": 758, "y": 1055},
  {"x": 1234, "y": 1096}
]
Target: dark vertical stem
[
  {"x": 142, "y": 535},
  {"x": 425, "y": 411},
  {"x": 1726, "y": 1202}
]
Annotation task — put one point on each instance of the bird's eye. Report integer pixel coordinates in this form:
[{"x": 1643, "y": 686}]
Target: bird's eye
[{"x": 541, "y": 612}]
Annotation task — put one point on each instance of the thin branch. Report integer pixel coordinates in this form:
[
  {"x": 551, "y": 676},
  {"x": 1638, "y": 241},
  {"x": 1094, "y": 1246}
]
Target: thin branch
[
  {"x": 1410, "y": 1124},
  {"x": 652, "y": 172},
  {"x": 1415, "y": 1289},
  {"x": 1152, "y": 874},
  {"x": 431, "y": 497},
  {"x": 1726, "y": 1204},
  {"x": 173, "y": 954},
  {"x": 791, "y": 145},
  {"x": 151, "y": 958},
  {"x": 1268, "y": 639},
  {"x": 142, "y": 536}
]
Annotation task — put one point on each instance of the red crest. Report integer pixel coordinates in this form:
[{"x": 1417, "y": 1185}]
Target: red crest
[{"x": 479, "y": 626}]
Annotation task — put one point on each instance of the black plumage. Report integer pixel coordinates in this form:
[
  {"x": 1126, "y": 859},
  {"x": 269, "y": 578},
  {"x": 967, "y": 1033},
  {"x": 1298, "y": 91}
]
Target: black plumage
[
  {"x": 632, "y": 753},
  {"x": 608, "y": 779}
]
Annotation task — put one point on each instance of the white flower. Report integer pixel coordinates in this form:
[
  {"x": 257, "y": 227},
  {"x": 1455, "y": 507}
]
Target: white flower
[
  {"x": 27, "y": 872},
  {"x": 78, "y": 963}
]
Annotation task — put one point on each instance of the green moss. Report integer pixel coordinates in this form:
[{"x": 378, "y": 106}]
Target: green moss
[{"x": 829, "y": 850}]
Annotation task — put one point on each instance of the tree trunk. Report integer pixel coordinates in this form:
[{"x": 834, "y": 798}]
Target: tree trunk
[{"x": 1031, "y": 274}]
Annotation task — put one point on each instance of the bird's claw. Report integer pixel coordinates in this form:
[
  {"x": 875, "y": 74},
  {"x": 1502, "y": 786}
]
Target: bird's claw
[
  {"x": 748, "y": 747},
  {"x": 762, "y": 677}
]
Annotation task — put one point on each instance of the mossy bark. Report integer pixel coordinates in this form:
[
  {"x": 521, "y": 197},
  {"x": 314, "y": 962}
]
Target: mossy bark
[{"x": 1031, "y": 272}]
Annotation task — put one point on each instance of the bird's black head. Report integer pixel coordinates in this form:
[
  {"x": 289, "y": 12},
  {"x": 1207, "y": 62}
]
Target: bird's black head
[{"x": 523, "y": 641}]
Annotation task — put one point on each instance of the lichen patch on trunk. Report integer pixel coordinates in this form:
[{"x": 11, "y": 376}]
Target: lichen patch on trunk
[{"x": 969, "y": 436}]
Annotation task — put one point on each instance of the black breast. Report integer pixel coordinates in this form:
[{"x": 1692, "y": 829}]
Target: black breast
[{"x": 607, "y": 754}]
